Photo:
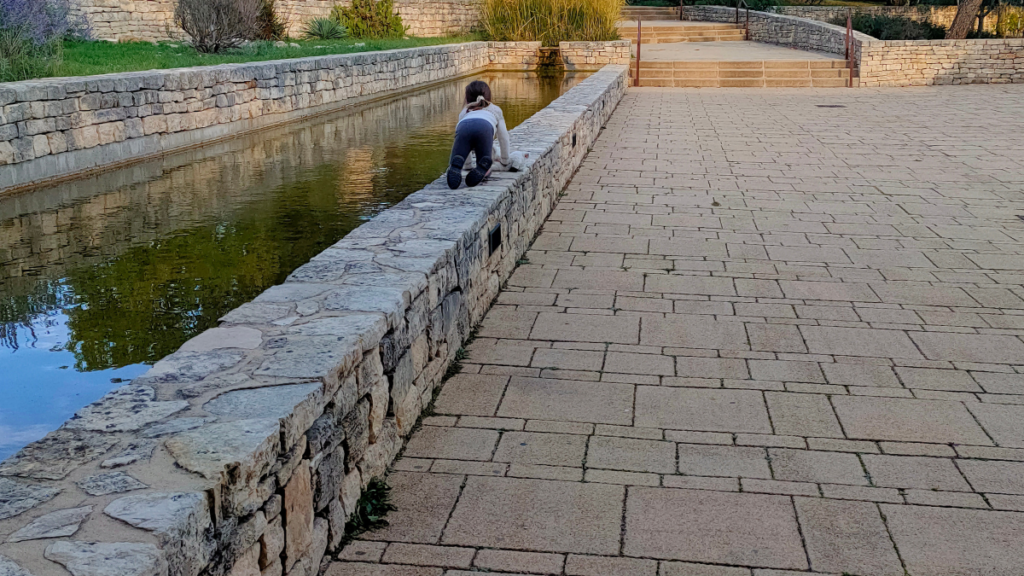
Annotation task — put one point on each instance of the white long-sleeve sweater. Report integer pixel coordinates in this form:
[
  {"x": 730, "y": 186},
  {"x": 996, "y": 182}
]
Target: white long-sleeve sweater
[{"x": 492, "y": 113}]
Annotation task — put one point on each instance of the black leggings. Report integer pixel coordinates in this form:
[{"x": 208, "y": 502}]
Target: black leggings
[{"x": 475, "y": 134}]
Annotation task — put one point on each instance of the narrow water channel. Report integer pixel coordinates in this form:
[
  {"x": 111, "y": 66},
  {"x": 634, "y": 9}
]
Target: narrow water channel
[{"x": 101, "y": 276}]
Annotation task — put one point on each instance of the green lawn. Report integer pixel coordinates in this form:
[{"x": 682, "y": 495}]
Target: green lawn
[{"x": 86, "y": 58}]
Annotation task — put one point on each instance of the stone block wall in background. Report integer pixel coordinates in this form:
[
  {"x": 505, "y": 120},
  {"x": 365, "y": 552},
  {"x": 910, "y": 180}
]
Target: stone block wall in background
[
  {"x": 593, "y": 55},
  {"x": 153, "y": 20},
  {"x": 928, "y": 62},
  {"x": 244, "y": 452},
  {"x": 936, "y": 15}
]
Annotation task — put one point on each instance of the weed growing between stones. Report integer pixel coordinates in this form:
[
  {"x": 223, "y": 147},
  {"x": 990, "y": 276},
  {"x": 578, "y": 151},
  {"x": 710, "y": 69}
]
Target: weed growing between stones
[{"x": 371, "y": 508}]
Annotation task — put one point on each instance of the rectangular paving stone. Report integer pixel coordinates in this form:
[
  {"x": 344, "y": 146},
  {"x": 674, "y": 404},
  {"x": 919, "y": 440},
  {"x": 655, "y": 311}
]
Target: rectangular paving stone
[
  {"x": 691, "y": 569},
  {"x": 985, "y": 348},
  {"x": 537, "y": 515},
  {"x": 736, "y": 461},
  {"x": 472, "y": 394},
  {"x": 452, "y": 443},
  {"x": 847, "y": 537},
  {"x": 917, "y": 293},
  {"x": 860, "y": 375},
  {"x": 576, "y": 565},
  {"x": 914, "y": 472},
  {"x": 814, "y": 466},
  {"x": 568, "y": 400},
  {"x": 627, "y": 363},
  {"x": 859, "y": 342},
  {"x": 697, "y": 367},
  {"x": 539, "y": 448},
  {"x": 701, "y": 409},
  {"x": 425, "y": 555},
  {"x": 586, "y": 328},
  {"x": 803, "y": 415},
  {"x": 611, "y": 245},
  {"x": 775, "y": 338},
  {"x": 1005, "y": 423},
  {"x": 679, "y": 284},
  {"x": 633, "y": 454},
  {"x": 826, "y": 254},
  {"x": 907, "y": 420},
  {"x": 531, "y": 562},
  {"x": 931, "y": 379},
  {"x": 782, "y": 370},
  {"x": 364, "y": 569},
  {"x": 993, "y": 476},
  {"x": 599, "y": 279},
  {"x": 423, "y": 502},
  {"x": 714, "y": 527},
  {"x": 946, "y": 541},
  {"x": 837, "y": 291},
  {"x": 693, "y": 331},
  {"x": 568, "y": 359}
]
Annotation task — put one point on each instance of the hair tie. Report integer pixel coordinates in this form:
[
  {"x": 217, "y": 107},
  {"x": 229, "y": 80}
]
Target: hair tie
[{"x": 480, "y": 99}]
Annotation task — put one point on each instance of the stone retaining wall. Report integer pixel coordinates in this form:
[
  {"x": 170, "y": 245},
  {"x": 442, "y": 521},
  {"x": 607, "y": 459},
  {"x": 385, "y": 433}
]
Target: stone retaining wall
[
  {"x": 780, "y": 29},
  {"x": 153, "y": 20},
  {"x": 593, "y": 55},
  {"x": 56, "y": 127},
  {"x": 936, "y": 15},
  {"x": 244, "y": 452},
  {"x": 927, "y": 62}
]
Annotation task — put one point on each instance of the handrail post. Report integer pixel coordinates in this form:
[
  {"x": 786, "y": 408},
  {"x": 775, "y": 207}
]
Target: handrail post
[
  {"x": 681, "y": 9},
  {"x": 639, "y": 21},
  {"x": 746, "y": 27},
  {"x": 849, "y": 46}
]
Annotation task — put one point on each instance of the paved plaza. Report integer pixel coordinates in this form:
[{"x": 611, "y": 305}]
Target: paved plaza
[{"x": 765, "y": 332}]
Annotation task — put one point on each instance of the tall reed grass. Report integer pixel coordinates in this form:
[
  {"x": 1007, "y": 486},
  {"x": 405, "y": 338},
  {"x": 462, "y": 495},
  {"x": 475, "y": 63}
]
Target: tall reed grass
[{"x": 551, "y": 21}]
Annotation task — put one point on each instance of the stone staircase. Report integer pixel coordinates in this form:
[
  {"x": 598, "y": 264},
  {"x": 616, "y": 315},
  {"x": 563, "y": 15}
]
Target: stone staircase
[
  {"x": 665, "y": 33},
  {"x": 752, "y": 74},
  {"x": 650, "y": 13}
]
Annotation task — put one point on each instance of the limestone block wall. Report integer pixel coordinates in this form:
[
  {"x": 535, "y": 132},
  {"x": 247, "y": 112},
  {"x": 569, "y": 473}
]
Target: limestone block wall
[
  {"x": 780, "y": 29},
  {"x": 244, "y": 452},
  {"x": 928, "y": 62},
  {"x": 936, "y": 15},
  {"x": 593, "y": 55},
  {"x": 57, "y": 127},
  {"x": 149, "y": 20},
  {"x": 154, "y": 19}
]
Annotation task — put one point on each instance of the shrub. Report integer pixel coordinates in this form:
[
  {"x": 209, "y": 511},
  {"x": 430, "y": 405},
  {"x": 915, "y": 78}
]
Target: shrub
[
  {"x": 1010, "y": 22},
  {"x": 324, "y": 29},
  {"x": 551, "y": 21},
  {"x": 217, "y": 25},
  {"x": 369, "y": 19},
  {"x": 269, "y": 26},
  {"x": 893, "y": 27},
  {"x": 31, "y": 37}
]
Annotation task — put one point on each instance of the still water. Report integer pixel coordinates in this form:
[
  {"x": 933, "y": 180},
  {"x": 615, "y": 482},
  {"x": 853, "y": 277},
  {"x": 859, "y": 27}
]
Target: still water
[{"x": 102, "y": 276}]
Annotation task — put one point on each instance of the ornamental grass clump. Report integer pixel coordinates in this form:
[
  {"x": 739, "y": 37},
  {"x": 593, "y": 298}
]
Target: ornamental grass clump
[
  {"x": 551, "y": 21},
  {"x": 374, "y": 19},
  {"x": 32, "y": 33}
]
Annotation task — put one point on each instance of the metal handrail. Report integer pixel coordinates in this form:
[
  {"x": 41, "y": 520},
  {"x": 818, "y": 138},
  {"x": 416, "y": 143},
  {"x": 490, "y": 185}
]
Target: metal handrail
[
  {"x": 639, "y": 20},
  {"x": 849, "y": 46},
  {"x": 746, "y": 26}
]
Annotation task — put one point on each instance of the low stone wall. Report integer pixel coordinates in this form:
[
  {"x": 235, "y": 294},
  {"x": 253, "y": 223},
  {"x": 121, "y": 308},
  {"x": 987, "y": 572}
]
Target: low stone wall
[
  {"x": 153, "y": 20},
  {"x": 928, "y": 62},
  {"x": 244, "y": 452},
  {"x": 779, "y": 29},
  {"x": 936, "y": 15},
  {"x": 56, "y": 127},
  {"x": 593, "y": 55}
]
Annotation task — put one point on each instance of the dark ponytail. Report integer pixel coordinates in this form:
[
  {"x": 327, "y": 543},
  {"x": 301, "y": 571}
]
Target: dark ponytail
[{"x": 478, "y": 95}]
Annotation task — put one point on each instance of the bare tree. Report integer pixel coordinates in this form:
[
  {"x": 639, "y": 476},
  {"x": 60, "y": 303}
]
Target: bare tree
[
  {"x": 216, "y": 25},
  {"x": 963, "y": 22}
]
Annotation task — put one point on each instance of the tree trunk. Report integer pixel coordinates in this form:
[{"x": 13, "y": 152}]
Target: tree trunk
[{"x": 963, "y": 22}]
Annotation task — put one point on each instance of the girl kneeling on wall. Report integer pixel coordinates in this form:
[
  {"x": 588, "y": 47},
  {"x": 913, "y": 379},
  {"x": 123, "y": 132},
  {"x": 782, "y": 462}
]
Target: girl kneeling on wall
[{"x": 479, "y": 120}]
